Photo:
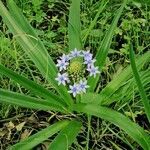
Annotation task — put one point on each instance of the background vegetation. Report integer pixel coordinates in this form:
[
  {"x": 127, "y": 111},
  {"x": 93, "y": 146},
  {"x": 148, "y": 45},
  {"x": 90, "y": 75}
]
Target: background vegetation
[{"x": 50, "y": 20}]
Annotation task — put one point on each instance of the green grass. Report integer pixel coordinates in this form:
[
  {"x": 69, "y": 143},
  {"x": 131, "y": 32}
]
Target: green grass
[{"x": 116, "y": 74}]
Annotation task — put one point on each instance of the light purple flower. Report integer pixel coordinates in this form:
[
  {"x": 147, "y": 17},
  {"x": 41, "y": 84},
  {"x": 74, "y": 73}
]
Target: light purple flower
[
  {"x": 87, "y": 55},
  {"x": 62, "y": 64},
  {"x": 75, "y": 53},
  {"x": 83, "y": 86},
  {"x": 90, "y": 62},
  {"x": 93, "y": 71},
  {"x": 62, "y": 78},
  {"x": 65, "y": 58},
  {"x": 74, "y": 89}
]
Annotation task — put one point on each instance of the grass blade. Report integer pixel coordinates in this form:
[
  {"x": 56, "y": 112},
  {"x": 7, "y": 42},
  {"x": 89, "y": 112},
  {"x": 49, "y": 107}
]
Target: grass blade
[
  {"x": 146, "y": 101},
  {"x": 143, "y": 1},
  {"x": 24, "y": 25},
  {"x": 33, "y": 47},
  {"x": 39, "y": 137},
  {"x": 130, "y": 88},
  {"x": 74, "y": 25},
  {"x": 32, "y": 86},
  {"x": 27, "y": 101},
  {"x": 102, "y": 6},
  {"x": 131, "y": 128},
  {"x": 105, "y": 45},
  {"x": 121, "y": 79},
  {"x": 119, "y": 96},
  {"x": 66, "y": 137}
]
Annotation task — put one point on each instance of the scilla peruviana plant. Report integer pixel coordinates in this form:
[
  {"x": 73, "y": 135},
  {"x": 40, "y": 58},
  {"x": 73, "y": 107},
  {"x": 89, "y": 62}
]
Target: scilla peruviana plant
[{"x": 67, "y": 130}]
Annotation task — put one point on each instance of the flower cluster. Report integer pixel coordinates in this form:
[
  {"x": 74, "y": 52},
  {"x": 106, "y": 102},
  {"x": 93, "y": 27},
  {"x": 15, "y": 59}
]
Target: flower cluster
[{"x": 76, "y": 63}]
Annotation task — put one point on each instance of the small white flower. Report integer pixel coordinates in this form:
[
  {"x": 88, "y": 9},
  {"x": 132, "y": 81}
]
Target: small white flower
[
  {"x": 89, "y": 62},
  {"x": 87, "y": 55},
  {"x": 74, "y": 89},
  {"x": 83, "y": 86},
  {"x": 62, "y": 64},
  {"x": 93, "y": 71},
  {"x": 65, "y": 58},
  {"x": 75, "y": 53},
  {"x": 62, "y": 78}
]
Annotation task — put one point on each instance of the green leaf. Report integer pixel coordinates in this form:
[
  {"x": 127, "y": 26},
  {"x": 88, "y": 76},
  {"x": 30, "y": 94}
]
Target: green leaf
[
  {"x": 94, "y": 98},
  {"x": 39, "y": 137},
  {"x": 142, "y": 92},
  {"x": 131, "y": 128},
  {"x": 32, "y": 45},
  {"x": 66, "y": 137},
  {"x": 143, "y": 1},
  {"x": 33, "y": 86},
  {"x": 102, "y": 6},
  {"x": 121, "y": 79},
  {"x": 118, "y": 96},
  {"x": 74, "y": 27},
  {"x": 27, "y": 101},
  {"x": 130, "y": 88},
  {"x": 105, "y": 46}
]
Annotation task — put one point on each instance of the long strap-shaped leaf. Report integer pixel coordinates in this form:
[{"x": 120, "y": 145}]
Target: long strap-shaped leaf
[
  {"x": 33, "y": 86},
  {"x": 145, "y": 100},
  {"x": 74, "y": 25},
  {"x": 39, "y": 137},
  {"x": 119, "y": 94},
  {"x": 121, "y": 79},
  {"x": 27, "y": 101},
  {"x": 66, "y": 137},
  {"x": 105, "y": 46},
  {"x": 33, "y": 47},
  {"x": 131, "y": 128}
]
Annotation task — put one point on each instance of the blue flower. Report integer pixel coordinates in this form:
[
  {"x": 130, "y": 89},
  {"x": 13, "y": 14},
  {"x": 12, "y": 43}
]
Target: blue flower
[
  {"x": 87, "y": 55},
  {"x": 65, "y": 58},
  {"x": 89, "y": 62},
  {"x": 62, "y": 64},
  {"x": 93, "y": 71},
  {"x": 75, "y": 53},
  {"x": 62, "y": 78},
  {"x": 83, "y": 86},
  {"x": 74, "y": 89}
]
